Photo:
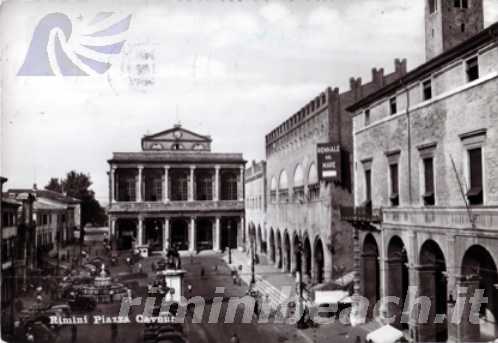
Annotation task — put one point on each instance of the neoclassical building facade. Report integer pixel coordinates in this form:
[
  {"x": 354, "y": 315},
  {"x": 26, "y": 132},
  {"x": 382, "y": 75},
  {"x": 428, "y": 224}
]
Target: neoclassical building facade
[{"x": 176, "y": 192}]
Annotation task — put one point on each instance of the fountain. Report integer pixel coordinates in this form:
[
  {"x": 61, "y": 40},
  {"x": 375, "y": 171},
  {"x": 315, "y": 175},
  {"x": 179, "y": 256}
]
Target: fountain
[
  {"x": 173, "y": 276},
  {"x": 104, "y": 290}
]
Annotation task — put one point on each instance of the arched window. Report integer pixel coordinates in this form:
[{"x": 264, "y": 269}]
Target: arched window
[
  {"x": 313, "y": 183},
  {"x": 298, "y": 190},
  {"x": 273, "y": 189},
  {"x": 283, "y": 187}
]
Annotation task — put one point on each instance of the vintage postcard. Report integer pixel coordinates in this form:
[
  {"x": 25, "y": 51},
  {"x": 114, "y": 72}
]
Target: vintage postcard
[{"x": 249, "y": 171}]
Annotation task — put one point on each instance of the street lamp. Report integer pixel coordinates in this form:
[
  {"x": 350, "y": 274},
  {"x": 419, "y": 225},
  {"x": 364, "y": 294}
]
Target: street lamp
[
  {"x": 253, "y": 253},
  {"x": 299, "y": 271},
  {"x": 229, "y": 243}
]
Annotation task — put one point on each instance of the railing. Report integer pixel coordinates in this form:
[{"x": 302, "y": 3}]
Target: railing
[
  {"x": 456, "y": 217},
  {"x": 177, "y": 206},
  {"x": 362, "y": 214}
]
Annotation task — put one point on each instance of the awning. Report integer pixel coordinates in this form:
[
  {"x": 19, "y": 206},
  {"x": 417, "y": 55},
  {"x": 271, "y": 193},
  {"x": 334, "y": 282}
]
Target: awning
[
  {"x": 386, "y": 334},
  {"x": 330, "y": 297}
]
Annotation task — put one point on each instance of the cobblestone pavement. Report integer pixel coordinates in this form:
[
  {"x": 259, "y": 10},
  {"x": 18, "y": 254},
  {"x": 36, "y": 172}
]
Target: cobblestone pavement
[{"x": 217, "y": 274}]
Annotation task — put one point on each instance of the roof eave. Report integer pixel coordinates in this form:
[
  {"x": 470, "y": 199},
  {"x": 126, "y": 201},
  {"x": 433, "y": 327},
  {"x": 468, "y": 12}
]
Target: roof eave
[{"x": 485, "y": 36}]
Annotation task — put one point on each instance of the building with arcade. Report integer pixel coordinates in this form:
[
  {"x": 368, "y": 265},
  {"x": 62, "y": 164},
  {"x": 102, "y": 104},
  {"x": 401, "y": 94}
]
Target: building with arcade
[
  {"x": 176, "y": 193},
  {"x": 426, "y": 187}
]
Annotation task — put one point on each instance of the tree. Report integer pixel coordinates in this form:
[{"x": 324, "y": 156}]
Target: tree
[
  {"x": 54, "y": 185},
  {"x": 77, "y": 185}
]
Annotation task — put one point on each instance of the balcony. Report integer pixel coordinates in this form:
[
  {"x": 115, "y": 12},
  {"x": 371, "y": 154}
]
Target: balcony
[
  {"x": 456, "y": 217},
  {"x": 362, "y": 214},
  {"x": 176, "y": 206}
]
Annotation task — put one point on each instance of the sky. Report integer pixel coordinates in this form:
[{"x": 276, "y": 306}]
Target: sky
[{"x": 231, "y": 69}]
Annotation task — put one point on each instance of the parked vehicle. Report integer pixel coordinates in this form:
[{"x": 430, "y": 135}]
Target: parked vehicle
[{"x": 82, "y": 303}]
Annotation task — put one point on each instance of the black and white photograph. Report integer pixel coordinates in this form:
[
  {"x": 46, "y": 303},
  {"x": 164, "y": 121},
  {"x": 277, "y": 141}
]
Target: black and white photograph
[{"x": 249, "y": 171}]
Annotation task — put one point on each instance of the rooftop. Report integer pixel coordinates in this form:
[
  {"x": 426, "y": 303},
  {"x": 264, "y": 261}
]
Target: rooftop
[
  {"x": 44, "y": 193},
  {"x": 484, "y": 37}
]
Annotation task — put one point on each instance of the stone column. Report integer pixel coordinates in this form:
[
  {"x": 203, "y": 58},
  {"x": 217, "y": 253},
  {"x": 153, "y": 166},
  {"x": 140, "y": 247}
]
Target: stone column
[
  {"x": 140, "y": 233},
  {"x": 191, "y": 188},
  {"x": 240, "y": 186},
  {"x": 356, "y": 315},
  {"x": 425, "y": 332},
  {"x": 240, "y": 233},
  {"x": 166, "y": 234},
  {"x": 112, "y": 228},
  {"x": 166, "y": 184},
  {"x": 462, "y": 316},
  {"x": 192, "y": 239},
  {"x": 217, "y": 235},
  {"x": 393, "y": 271},
  {"x": 113, "y": 184},
  {"x": 139, "y": 186},
  {"x": 216, "y": 188}
]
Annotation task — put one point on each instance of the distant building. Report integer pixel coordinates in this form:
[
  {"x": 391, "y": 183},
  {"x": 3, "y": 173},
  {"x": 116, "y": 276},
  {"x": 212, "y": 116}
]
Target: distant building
[
  {"x": 54, "y": 214},
  {"x": 255, "y": 195},
  {"x": 426, "y": 187},
  {"x": 8, "y": 229},
  {"x": 176, "y": 192},
  {"x": 303, "y": 231}
]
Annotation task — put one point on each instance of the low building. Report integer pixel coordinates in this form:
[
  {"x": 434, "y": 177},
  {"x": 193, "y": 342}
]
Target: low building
[
  {"x": 176, "y": 192},
  {"x": 55, "y": 215},
  {"x": 426, "y": 187},
  {"x": 255, "y": 201},
  {"x": 8, "y": 228},
  {"x": 309, "y": 173}
]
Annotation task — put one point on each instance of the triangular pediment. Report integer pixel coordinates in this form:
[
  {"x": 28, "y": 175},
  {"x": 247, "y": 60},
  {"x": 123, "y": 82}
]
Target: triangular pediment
[{"x": 176, "y": 136}]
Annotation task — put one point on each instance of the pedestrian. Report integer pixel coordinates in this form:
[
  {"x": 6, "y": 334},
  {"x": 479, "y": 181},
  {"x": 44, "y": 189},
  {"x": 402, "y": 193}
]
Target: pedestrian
[
  {"x": 74, "y": 333},
  {"x": 235, "y": 338},
  {"x": 358, "y": 339},
  {"x": 234, "y": 277},
  {"x": 189, "y": 288},
  {"x": 114, "y": 332},
  {"x": 139, "y": 266},
  {"x": 203, "y": 272}
]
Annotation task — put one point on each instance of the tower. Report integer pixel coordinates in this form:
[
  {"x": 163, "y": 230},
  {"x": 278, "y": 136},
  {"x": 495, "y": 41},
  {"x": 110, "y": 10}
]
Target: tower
[{"x": 450, "y": 22}]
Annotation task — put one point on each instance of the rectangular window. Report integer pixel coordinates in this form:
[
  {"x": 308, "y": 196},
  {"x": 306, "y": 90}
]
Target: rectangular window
[
  {"x": 367, "y": 117},
  {"x": 475, "y": 194},
  {"x": 179, "y": 185},
  {"x": 461, "y": 3},
  {"x": 368, "y": 185},
  {"x": 472, "y": 69},
  {"x": 393, "y": 168},
  {"x": 429, "y": 196},
  {"x": 204, "y": 187},
  {"x": 392, "y": 105},
  {"x": 427, "y": 88},
  {"x": 432, "y": 6}
]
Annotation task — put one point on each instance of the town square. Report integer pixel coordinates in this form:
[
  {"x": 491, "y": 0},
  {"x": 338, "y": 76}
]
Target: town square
[{"x": 249, "y": 171}]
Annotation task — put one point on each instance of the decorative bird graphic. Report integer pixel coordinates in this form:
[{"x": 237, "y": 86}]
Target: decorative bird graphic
[{"x": 54, "y": 51}]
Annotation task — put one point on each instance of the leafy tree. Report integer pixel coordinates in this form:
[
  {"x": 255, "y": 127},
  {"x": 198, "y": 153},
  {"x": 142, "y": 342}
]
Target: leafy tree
[
  {"x": 77, "y": 185},
  {"x": 54, "y": 185}
]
